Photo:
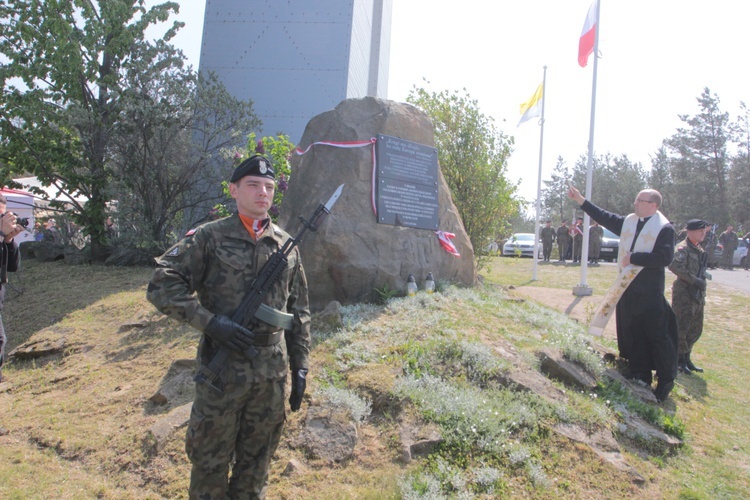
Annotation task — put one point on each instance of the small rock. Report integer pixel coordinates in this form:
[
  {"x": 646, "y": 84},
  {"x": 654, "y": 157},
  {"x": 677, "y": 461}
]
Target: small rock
[
  {"x": 330, "y": 318},
  {"x": 40, "y": 348},
  {"x": 160, "y": 432},
  {"x": 556, "y": 366},
  {"x": 293, "y": 467}
]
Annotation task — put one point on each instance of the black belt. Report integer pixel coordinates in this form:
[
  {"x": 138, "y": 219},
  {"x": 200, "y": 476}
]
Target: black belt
[{"x": 267, "y": 339}]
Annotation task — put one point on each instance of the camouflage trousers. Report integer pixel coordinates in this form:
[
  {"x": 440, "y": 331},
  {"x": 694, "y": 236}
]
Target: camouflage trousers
[
  {"x": 689, "y": 313},
  {"x": 245, "y": 423}
]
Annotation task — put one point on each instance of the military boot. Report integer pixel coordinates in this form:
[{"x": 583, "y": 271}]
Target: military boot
[
  {"x": 690, "y": 366},
  {"x": 682, "y": 366}
]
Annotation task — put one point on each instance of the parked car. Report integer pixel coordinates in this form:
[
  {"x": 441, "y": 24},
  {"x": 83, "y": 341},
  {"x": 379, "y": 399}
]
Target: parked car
[
  {"x": 521, "y": 244},
  {"x": 610, "y": 246},
  {"x": 740, "y": 253}
]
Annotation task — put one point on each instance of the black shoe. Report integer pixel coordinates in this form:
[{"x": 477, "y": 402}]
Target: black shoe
[
  {"x": 662, "y": 390},
  {"x": 690, "y": 366},
  {"x": 683, "y": 368}
]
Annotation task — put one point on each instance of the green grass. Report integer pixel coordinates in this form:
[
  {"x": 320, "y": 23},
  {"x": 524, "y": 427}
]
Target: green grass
[{"x": 77, "y": 421}]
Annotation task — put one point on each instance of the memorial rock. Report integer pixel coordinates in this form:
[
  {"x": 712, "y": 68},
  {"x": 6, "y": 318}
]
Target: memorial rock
[{"x": 351, "y": 255}]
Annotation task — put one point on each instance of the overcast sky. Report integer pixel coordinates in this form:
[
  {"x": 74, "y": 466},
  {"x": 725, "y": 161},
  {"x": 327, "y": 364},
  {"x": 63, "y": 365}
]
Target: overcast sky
[{"x": 656, "y": 58}]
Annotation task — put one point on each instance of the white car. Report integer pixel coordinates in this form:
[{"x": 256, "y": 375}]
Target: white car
[
  {"x": 521, "y": 244},
  {"x": 740, "y": 253}
]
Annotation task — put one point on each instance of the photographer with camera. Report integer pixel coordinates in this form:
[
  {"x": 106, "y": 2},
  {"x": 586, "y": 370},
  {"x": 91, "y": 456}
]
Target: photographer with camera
[{"x": 9, "y": 260}]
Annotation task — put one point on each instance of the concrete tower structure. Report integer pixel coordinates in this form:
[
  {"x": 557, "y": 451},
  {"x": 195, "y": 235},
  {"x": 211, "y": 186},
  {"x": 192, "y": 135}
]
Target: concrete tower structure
[{"x": 298, "y": 58}]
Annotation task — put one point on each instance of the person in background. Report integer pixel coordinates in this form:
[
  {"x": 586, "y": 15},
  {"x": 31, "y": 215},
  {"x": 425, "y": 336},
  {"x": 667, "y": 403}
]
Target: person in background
[
  {"x": 689, "y": 292},
  {"x": 547, "y": 235},
  {"x": 709, "y": 246},
  {"x": 10, "y": 259},
  {"x": 729, "y": 241},
  {"x": 51, "y": 233},
  {"x": 646, "y": 324},
  {"x": 596, "y": 234},
  {"x": 563, "y": 238}
]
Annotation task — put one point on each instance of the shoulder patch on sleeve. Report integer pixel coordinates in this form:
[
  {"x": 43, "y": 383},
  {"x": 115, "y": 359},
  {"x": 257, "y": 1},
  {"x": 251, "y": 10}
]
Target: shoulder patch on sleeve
[{"x": 174, "y": 252}]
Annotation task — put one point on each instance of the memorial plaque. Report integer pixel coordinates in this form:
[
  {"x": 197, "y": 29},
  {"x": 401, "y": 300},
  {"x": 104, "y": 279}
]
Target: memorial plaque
[{"x": 407, "y": 183}]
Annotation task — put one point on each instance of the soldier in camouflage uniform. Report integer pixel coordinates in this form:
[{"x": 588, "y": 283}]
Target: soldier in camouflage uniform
[
  {"x": 201, "y": 281},
  {"x": 729, "y": 241},
  {"x": 689, "y": 292},
  {"x": 596, "y": 234},
  {"x": 563, "y": 238},
  {"x": 547, "y": 235}
]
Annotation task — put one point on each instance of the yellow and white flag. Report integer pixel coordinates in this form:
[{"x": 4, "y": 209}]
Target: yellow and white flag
[{"x": 532, "y": 107}]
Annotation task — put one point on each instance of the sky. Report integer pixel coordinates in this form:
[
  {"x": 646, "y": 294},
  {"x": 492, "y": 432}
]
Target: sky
[{"x": 656, "y": 57}]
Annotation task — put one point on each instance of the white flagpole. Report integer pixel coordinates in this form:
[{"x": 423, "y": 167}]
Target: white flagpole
[
  {"x": 539, "y": 178},
  {"x": 582, "y": 288}
]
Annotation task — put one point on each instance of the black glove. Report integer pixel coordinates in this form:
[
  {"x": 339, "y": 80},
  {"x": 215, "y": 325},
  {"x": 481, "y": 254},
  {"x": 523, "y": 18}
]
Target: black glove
[
  {"x": 701, "y": 284},
  {"x": 229, "y": 334},
  {"x": 299, "y": 383}
]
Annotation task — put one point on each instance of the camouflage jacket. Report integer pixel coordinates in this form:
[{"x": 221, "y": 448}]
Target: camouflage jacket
[
  {"x": 210, "y": 271},
  {"x": 689, "y": 264}
]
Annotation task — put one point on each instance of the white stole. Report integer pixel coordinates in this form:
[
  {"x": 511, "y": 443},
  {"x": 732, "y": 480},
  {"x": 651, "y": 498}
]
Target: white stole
[{"x": 644, "y": 243}]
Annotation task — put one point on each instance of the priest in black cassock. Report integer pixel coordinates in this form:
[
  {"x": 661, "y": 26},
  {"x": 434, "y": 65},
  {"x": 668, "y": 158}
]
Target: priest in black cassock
[{"x": 646, "y": 325}]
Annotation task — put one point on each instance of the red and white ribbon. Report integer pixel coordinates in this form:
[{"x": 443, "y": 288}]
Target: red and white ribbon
[{"x": 445, "y": 241}]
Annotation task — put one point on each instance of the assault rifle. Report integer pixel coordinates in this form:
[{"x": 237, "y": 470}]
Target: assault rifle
[{"x": 252, "y": 306}]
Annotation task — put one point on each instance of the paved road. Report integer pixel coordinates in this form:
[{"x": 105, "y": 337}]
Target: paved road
[{"x": 739, "y": 278}]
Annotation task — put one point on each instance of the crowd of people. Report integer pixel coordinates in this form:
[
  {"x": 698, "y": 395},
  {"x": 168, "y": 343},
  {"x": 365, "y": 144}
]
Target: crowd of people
[{"x": 570, "y": 241}]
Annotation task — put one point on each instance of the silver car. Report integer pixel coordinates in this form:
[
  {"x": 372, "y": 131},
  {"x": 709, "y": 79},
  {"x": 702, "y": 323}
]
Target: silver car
[{"x": 521, "y": 245}]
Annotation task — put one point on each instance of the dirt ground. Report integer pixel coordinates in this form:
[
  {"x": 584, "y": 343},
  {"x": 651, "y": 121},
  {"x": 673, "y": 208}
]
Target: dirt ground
[{"x": 578, "y": 308}]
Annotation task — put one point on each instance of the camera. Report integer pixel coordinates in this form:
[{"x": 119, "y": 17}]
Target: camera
[{"x": 21, "y": 221}]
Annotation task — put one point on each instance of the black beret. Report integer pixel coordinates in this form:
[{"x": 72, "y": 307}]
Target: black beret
[
  {"x": 695, "y": 224},
  {"x": 256, "y": 165}
]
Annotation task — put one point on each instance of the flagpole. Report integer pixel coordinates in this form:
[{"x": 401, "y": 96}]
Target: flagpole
[
  {"x": 539, "y": 179},
  {"x": 582, "y": 288}
]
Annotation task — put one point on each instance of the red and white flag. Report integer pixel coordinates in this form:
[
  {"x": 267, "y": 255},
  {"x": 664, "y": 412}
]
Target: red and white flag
[{"x": 588, "y": 35}]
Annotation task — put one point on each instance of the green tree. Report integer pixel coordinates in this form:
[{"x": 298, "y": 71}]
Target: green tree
[
  {"x": 556, "y": 205},
  {"x": 173, "y": 128},
  {"x": 699, "y": 163},
  {"x": 660, "y": 177},
  {"x": 62, "y": 79},
  {"x": 473, "y": 157},
  {"x": 615, "y": 181},
  {"x": 739, "y": 172}
]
